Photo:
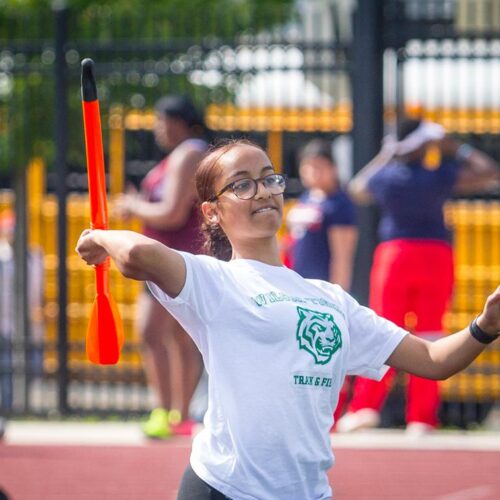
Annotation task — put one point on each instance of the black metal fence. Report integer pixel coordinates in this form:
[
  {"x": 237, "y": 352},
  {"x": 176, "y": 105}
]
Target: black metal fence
[
  {"x": 276, "y": 73},
  {"x": 254, "y": 63}
]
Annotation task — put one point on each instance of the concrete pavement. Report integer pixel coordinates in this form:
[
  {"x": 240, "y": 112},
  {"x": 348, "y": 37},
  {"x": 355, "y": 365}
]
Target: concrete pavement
[{"x": 129, "y": 434}]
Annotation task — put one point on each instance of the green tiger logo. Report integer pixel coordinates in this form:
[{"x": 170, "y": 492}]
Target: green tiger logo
[{"x": 318, "y": 334}]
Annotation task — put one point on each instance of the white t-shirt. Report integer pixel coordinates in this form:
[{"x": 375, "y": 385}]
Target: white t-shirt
[{"x": 276, "y": 348}]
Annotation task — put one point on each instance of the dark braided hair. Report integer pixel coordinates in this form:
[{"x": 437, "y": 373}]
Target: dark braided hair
[{"x": 210, "y": 169}]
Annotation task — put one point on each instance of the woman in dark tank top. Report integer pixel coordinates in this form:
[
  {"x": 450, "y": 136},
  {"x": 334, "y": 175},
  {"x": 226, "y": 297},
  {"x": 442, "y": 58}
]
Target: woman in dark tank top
[{"x": 167, "y": 207}]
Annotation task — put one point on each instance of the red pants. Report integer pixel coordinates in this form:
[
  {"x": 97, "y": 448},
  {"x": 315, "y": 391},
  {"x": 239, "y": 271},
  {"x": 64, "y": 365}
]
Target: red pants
[{"x": 411, "y": 283}]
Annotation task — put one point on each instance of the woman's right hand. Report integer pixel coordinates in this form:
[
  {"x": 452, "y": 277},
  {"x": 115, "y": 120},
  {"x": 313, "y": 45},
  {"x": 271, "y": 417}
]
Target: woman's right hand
[{"x": 88, "y": 248}]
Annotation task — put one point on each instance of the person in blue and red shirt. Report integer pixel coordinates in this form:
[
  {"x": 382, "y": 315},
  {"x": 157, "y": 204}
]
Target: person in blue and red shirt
[
  {"x": 410, "y": 180},
  {"x": 322, "y": 223}
]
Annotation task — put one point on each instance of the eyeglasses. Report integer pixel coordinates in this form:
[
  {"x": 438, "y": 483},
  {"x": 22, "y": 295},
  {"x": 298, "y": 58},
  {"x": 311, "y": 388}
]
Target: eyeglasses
[{"x": 246, "y": 189}]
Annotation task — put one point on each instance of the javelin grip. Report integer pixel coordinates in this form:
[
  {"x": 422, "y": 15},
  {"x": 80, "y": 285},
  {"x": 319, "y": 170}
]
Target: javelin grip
[{"x": 89, "y": 88}]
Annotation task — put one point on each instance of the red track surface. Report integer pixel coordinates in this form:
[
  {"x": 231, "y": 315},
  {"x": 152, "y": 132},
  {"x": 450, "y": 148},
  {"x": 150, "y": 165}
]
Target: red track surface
[{"x": 153, "y": 472}]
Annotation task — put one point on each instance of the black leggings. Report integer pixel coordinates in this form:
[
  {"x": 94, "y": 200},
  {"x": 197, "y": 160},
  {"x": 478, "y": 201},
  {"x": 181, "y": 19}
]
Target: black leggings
[{"x": 193, "y": 488}]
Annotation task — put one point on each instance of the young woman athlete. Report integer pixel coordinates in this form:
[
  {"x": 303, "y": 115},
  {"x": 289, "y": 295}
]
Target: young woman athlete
[{"x": 276, "y": 346}]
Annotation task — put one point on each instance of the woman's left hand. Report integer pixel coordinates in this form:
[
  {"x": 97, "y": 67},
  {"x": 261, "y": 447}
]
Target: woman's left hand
[{"x": 489, "y": 319}]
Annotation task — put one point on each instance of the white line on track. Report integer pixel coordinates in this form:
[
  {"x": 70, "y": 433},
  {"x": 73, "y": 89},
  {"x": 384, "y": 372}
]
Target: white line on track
[{"x": 476, "y": 493}]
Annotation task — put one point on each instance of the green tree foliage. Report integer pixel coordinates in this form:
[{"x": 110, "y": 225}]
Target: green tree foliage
[
  {"x": 142, "y": 48},
  {"x": 148, "y": 19}
]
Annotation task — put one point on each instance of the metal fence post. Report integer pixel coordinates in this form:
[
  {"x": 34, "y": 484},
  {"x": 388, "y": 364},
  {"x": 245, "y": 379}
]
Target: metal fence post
[
  {"x": 21, "y": 345},
  {"x": 368, "y": 123},
  {"x": 61, "y": 142}
]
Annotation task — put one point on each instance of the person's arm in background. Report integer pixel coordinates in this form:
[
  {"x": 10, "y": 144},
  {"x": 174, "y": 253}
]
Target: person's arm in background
[
  {"x": 479, "y": 171},
  {"x": 443, "y": 358},
  {"x": 136, "y": 257},
  {"x": 342, "y": 242},
  {"x": 173, "y": 210},
  {"x": 358, "y": 185}
]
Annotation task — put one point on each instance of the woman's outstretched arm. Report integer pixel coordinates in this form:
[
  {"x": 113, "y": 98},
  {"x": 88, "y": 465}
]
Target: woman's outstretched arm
[
  {"x": 136, "y": 256},
  {"x": 358, "y": 185},
  {"x": 445, "y": 357}
]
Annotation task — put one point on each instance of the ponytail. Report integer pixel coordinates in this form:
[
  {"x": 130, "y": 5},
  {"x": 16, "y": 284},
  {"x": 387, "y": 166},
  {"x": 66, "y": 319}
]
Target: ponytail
[{"x": 216, "y": 242}]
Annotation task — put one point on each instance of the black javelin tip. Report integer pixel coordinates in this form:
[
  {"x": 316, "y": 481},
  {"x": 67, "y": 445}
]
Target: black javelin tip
[{"x": 89, "y": 89}]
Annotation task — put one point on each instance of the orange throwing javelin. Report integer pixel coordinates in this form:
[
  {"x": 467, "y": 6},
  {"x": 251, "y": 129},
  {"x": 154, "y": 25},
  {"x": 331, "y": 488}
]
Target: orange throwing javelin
[{"x": 105, "y": 330}]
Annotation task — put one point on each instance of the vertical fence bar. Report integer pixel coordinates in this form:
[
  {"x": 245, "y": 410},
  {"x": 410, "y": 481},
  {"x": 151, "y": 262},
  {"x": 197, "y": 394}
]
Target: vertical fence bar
[
  {"x": 400, "y": 97},
  {"x": 61, "y": 142},
  {"x": 21, "y": 344},
  {"x": 368, "y": 126}
]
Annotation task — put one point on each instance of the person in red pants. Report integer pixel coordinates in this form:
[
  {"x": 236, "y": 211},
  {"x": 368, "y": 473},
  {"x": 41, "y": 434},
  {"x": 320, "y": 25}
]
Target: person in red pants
[{"x": 412, "y": 273}]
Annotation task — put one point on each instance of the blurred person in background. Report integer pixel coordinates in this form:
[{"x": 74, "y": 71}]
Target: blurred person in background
[
  {"x": 322, "y": 223},
  {"x": 35, "y": 296},
  {"x": 322, "y": 226},
  {"x": 412, "y": 274},
  {"x": 166, "y": 205}
]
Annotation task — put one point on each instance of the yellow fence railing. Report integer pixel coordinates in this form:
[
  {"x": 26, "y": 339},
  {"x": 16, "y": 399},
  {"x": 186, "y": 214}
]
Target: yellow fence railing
[{"x": 476, "y": 229}]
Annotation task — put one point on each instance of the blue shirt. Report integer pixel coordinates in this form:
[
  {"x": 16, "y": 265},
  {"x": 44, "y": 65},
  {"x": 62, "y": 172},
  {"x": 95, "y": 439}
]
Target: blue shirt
[
  {"x": 309, "y": 222},
  {"x": 411, "y": 199}
]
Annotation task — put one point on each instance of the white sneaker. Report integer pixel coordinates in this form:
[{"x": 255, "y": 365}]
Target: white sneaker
[
  {"x": 355, "y": 421},
  {"x": 417, "y": 429}
]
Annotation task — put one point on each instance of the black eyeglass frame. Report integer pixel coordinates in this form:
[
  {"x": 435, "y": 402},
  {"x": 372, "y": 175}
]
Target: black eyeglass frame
[{"x": 255, "y": 182}]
